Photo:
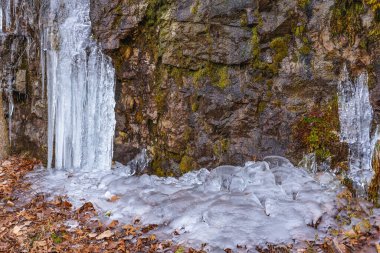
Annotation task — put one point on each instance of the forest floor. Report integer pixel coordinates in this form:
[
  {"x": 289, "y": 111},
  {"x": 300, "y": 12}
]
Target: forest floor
[{"x": 31, "y": 223}]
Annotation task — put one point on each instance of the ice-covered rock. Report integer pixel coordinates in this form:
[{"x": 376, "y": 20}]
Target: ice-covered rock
[{"x": 355, "y": 115}]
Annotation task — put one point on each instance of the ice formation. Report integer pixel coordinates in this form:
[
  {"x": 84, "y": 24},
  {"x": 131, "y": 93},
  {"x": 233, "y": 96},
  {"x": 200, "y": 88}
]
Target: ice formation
[
  {"x": 355, "y": 115},
  {"x": 7, "y": 23},
  {"x": 80, "y": 83},
  {"x": 263, "y": 202}
]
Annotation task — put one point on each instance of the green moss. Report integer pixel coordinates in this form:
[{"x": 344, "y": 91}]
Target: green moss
[
  {"x": 261, "y": 106},
  {"x": 255, "y": 41},
  {"x": 177, "y": 74},
  {"x": 195, "y": 7},
  {"x": 155, "y": 10},
  {"x": 57, "y": 239},
  {"x": 194, "y": 106},
  {"x": 187, "y": 134},
  {"x": 119, "y": 14},
  {"x": 375, "y": 7},
  {"x": 159, "y": 172},
  {"x": 244, "y": 19},
  {"x": 280, "y": 46},
  {"x": 224, "y": 80},
  {"x": 303, "y": 3},
  {"x": 180, "y": 250},
  {"x": 216, "y": 73},
  {"x": 221, "y": 147},
  {"x": 374, "y": 188},
  {"x": 160, "y": 99},
  {"x": 199, "y": 75},
  {"x": 345, "y": 18},
  {"x": 305, "y": 49},
  {"x": 259, "y": 18},
  {"x": 299, "y": 31},
  {"x": 139, "y": 117},
  {"x": 317, "y": 132},
  {"x": 159, "y": 162},
  {"x": 186, "y": 164}
]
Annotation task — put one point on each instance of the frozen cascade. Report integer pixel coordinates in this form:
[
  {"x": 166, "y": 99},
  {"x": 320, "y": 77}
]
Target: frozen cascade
[
  {"x": 80, "y": 81},
  {"x": 263, "y": 202},
  {"x": 355, "y": 115}
]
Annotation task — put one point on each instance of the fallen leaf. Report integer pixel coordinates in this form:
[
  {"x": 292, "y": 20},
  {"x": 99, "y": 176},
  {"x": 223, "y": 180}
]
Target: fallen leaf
[
  {"x": 152, "y": 237},
  {"x": 66, "y": 204},
  {"x": 17, "y": 230},
  {"x": 113, "y": 224},
  {"x": 92, "y": 235},
  {"x": 105, "y": 234},
  {"x": 114, "y": 198},
  {"x": 6, "y": 164},
  {"x": 129, "y": 230}
]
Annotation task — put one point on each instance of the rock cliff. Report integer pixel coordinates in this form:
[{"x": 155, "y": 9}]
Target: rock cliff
[{"x": 202, "y": 83}]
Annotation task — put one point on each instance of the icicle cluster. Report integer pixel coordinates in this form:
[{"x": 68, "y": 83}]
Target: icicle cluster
[
  {"x": 80, "y": 82},
  {"x": 355, "y": 114}
]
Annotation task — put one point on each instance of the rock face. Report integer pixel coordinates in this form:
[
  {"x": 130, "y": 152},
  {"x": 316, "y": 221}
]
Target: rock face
[
  {"x": 20, "y": 77},
  {"x": 202, "y": 83}
]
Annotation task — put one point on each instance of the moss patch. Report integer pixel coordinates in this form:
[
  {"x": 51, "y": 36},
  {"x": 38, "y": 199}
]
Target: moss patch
[
  {"x": 221, "y": 147},
  {"x": 186, "y": 164},
  {"x": 280, "y": 46},
  {"x": 317, "y": 132},
  {"x": 303, "y": 3},
  {"x": 217, "y": 74},
  {"x": 194, "y": 9},
  {"x": 374, "y": 188},
  {"x": 345, "y": 18}
]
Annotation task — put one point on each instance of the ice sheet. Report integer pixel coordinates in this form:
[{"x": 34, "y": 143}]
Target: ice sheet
[{"x": 262, "y": 202}]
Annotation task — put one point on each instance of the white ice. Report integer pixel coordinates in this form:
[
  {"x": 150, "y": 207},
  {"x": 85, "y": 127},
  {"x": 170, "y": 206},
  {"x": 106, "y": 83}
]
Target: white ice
[
  {"x": 263, "y": 202},
  {"x": 80, "y": 82},
  {"x": 355, "y": 114}
]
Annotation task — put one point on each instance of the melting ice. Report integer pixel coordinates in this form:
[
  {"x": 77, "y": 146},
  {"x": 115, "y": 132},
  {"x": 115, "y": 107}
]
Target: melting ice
[
  {"x": 263, "y": 202},
  {"x": 355, "y": 114},
  {"x": 80, "y": 83}
]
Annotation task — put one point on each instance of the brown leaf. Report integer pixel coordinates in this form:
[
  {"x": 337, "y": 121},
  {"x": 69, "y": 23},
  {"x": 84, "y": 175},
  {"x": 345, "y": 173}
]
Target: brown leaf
[
  {"x": 129, "y": 230},
  {"x": 105, "y": 234},
  {"x": 114, "y": 198},
  {"x": 113, "y": 224},
  {"x": 92, "y": 235}
]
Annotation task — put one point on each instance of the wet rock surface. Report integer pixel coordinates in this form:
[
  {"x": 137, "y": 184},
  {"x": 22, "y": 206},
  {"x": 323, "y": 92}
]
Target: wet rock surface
[
  {"x": 203, "y": 83},
  {"x": 20, "y": 77}
]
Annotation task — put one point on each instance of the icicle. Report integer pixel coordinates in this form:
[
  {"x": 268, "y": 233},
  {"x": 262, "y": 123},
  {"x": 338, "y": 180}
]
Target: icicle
[
  {"x": 355, "y": 114},
  {"x": 80, "y": 81},
  {"x": 10, "y": 106}
]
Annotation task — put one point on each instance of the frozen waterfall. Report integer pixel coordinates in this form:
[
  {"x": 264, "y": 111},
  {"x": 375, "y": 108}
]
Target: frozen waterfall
[
  {"x": 355, "y": 114},
  {"x": 80, "y": 84}
]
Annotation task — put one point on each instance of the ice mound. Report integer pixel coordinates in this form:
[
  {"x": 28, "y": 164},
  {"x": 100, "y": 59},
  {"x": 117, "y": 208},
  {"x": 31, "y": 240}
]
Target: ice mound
[{"x": 268, "y": 202}]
